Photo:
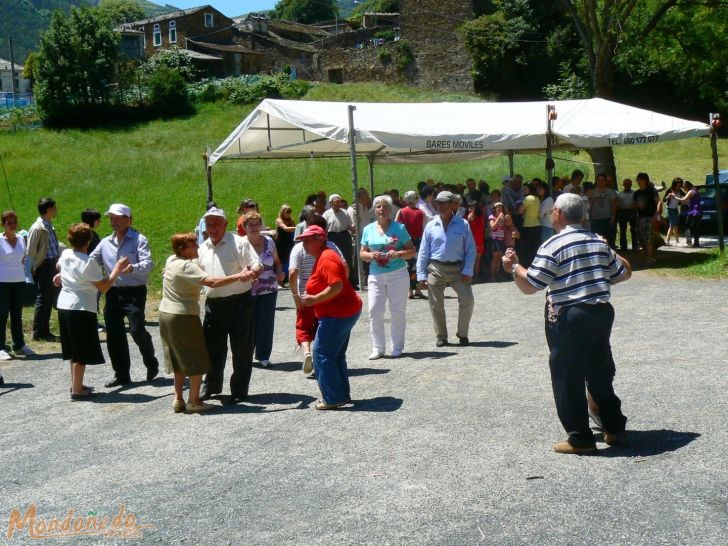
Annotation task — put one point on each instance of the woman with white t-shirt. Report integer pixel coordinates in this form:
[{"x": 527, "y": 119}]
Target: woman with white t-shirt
[
  {"x": 544, "y": 212},
  {"x": 12, "y": 287},
  {"x": 81, "y": 278}
]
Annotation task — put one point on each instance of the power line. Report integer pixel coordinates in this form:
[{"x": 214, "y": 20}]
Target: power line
[{"x": 7, "y": 182}]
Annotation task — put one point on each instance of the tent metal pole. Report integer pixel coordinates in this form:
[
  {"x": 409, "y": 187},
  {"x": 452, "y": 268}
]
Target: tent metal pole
[
  {"x": 371, "y": 175},
  {"x": 550, "y": 117},
  {"x": 208, "y": 168},
  {"x": 355, "y": 202},
  {"x": 714, "y": 122},
  {"x": 510, "y": 163}
]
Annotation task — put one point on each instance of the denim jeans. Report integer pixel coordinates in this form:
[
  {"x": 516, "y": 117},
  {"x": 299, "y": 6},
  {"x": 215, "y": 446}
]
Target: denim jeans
[
  {"x": 329, "y": 357},
  {"x": 265, "y": 319}
]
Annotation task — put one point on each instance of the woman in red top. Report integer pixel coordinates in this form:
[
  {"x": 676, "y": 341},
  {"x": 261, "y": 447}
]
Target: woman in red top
[
  {"x": 337, "y": 307},
  {"x": 476, "y": 219},
  {"x": 414, "y": 221}
]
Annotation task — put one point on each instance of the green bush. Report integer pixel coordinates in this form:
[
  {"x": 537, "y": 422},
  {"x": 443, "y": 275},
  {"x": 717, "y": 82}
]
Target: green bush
[
  {"x": 250, "y": 89},
  {"x": 168, "y": 93},
  {"x": 384, "y": 55}
]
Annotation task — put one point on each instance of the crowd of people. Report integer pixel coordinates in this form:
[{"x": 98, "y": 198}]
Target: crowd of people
[{"x": 412, "y": 247}]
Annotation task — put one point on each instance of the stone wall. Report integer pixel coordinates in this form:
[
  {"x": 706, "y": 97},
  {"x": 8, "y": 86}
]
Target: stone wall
[{"x": 430, "y": 27}]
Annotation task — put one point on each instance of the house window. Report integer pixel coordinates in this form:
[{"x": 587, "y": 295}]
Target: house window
[
  {"x": 209, "y": 20},
  {"x": 172, "y": 32},
  {"x": 157, "y": 36},
  {"x": 144, "y": 38}
]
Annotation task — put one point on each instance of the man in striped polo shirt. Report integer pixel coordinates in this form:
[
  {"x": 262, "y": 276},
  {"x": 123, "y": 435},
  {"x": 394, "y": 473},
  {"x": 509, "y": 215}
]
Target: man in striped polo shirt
[{"x": 577, "y": 268}]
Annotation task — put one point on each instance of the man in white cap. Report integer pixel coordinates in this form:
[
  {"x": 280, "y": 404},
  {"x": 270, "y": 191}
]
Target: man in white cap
[
  {"x": 339, "y": 229},
  {"x": 446, "y": 258},
  {"x": 128, "y": 296},
  {"x": 229, "y": 310}
]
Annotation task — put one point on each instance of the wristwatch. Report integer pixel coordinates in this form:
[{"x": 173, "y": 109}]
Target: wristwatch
[{"x": 513, "y": 271}]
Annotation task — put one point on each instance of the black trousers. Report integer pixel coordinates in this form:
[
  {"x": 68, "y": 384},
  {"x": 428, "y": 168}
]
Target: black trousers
[
  {"x": 46, "y": 297},
  {"x": 693, "y": 224},
  {"x": 624, "y": 217},
  {"x": 11, "y": 304},
  {"x": 232, "y": 317},
  {"x": 127, "y": 302},
  {"x": 580, "y": 352},
  {"x": 344, "y": 241}
]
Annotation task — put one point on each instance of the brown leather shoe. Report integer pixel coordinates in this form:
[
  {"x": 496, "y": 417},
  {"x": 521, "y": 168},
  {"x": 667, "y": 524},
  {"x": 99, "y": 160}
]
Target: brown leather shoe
[
  {"x": 567, "y": 448},
  {"x": 615, "y": 439}
]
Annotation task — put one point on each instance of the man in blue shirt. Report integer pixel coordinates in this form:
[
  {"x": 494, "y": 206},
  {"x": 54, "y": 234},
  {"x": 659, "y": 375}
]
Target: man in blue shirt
[
  {"x": 128, "y": 296},
  {"x": 446, "y": 258}
]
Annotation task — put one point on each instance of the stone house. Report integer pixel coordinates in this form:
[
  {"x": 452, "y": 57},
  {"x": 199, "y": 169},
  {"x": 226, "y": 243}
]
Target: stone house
[{"x": 22, "y": 85}]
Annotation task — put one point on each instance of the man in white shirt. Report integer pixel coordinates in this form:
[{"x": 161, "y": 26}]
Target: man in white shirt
[{"x": 228, "y": 309}]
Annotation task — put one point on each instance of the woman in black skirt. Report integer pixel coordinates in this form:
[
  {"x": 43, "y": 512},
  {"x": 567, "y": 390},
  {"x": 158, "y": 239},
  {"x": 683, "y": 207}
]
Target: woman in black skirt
[{"x": 81, "y": 278}]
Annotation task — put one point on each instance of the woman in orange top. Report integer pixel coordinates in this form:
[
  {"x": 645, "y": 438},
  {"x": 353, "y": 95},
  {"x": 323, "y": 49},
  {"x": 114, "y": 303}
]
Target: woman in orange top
[{"x": 337, "y": 307}]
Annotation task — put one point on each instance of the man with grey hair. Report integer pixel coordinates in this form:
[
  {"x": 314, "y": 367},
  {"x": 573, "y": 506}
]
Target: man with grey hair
[
  {"x": 340, "y": 228},
  {"x": 577, "y": 269},
  {"x": 228, "y": 309},
  {"x": 446, "y": 258}
]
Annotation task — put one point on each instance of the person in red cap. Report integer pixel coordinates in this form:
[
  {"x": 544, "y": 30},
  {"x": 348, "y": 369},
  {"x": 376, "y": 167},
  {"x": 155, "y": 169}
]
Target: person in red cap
[{"x": 337, "y": 307}]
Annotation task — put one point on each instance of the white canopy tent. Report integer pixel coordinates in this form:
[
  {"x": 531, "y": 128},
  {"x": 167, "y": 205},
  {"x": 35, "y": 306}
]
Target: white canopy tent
[{"x": 441, "y": 132}]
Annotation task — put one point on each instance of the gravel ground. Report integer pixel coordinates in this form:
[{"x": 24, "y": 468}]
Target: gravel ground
[{"x": 443, "y": 446}]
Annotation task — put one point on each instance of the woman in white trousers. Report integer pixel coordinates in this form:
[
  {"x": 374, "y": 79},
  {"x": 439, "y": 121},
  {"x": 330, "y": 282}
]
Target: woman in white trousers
[{"x": 387, "y": 246}]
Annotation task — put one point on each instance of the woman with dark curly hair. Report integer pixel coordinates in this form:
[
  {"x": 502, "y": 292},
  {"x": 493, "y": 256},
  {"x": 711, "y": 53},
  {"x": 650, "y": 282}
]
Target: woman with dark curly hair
[{"x": 81, "y": 278}]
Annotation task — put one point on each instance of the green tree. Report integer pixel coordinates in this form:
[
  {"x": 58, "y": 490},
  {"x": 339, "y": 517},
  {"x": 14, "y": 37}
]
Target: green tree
[
  {"x": 306, "y": 11},
  {"x": 121, "y": 11},
  {"x": 75, "y": 66},
  {"x": 518, "y": 47}
]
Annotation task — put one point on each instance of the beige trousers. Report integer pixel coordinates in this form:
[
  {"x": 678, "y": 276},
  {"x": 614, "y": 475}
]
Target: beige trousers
[{"x": 439, "y": 277}]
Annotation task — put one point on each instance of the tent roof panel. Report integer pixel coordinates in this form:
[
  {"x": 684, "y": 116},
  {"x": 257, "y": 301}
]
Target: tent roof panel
[{"x": 436, "y": 132}]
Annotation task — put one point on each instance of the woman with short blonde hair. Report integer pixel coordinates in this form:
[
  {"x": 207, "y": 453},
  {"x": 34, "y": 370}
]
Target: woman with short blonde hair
[{"x": 386, "y": 245}]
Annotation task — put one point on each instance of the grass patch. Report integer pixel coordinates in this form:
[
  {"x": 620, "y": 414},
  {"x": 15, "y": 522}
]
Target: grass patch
[
  {"x": 157, "y": 168},
  {"x": 711, "y": 265}
]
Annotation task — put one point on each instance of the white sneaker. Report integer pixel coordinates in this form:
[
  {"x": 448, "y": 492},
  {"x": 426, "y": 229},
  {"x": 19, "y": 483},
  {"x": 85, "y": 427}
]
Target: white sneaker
[
  {"x": 307, "y": 363},
  {"x": 24, "y": 351},
  {"x": 396, "y": 353},
  {"x": 4, "y": 355},
  {"x": 376, "y": 355},
  {"x": 265, "y": 363}
]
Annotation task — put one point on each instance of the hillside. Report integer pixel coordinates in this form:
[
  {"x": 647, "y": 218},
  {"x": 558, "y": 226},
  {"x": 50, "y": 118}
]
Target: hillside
[{"x": 24, "y": 20}]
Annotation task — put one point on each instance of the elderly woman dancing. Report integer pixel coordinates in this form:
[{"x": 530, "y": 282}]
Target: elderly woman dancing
[
  {"x": 81, "y": 278},
  {"x": 337, "y": 307},
  {"x": 183, "y": 340},
  {"x": 386, "y": 245}
]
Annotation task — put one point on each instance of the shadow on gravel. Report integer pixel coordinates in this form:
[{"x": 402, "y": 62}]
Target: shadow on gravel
[
  {"x": 493, "y": 344},
  {"x": 120, "y": 397},
  {"x": 284, "y": 308},
  {"x": 44, "y": 356},
  {"x": 434, "y": 355},
  {"x": 379, "y": 404},
  {"x": 353, "y": 372},
  {"x": 282, "y": 366},
  {"x": 301, "y": 401},
  {"x": 647, "y": 443},
  {"x": 7, "y": 388}
]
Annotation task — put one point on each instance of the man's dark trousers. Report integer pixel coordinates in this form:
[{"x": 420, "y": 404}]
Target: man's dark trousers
[
  {"x": 624, "y": 217},
  {"x": 127, "y": 302},
  {"x": 580, "y": 352},
  {"x": 46, "y": 297},
  {"x": 232, "y": 317}
]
